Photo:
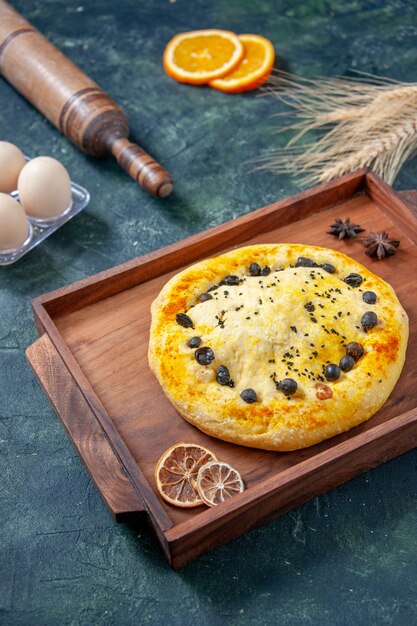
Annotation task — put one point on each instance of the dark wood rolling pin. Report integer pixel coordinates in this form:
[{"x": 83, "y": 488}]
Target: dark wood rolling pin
[{"x": 71, "y": 101}]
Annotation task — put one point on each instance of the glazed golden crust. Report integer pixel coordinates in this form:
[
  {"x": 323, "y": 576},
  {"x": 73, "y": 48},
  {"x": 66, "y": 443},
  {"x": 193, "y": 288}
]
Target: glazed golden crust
[{"x": 261, "y": 330}]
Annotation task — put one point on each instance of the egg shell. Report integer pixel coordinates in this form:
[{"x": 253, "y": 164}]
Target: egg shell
[
  {"x": 12, "y": 162},
  {"x": 44, "y": 188},
  {"x": 14, "y": 225}
]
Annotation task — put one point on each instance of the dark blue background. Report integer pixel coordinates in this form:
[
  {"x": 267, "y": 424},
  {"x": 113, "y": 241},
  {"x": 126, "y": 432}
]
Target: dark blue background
[{"x": 347, "y": 557}]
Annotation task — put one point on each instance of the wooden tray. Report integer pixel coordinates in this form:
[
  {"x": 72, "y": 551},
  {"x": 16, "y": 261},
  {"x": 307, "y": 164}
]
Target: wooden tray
[{"x": 92, "y": 363}]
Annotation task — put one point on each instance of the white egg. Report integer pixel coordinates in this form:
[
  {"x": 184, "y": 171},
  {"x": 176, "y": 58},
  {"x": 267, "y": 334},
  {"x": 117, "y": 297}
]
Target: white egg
[
  {"x": 44, "y": 188},
  {"x": 12, "y": 162},
  {"x": 14, "y": 225}
]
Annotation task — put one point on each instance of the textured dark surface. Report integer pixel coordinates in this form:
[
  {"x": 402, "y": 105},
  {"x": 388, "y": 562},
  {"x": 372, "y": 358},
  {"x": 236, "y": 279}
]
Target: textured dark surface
[{"x": 348, "y": 557}]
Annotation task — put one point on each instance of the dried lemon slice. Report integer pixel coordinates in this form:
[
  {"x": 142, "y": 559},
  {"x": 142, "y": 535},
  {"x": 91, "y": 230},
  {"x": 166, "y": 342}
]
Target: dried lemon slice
[
  {"x": 217, "y": 482},
  {"x": 176, "y": 473}
]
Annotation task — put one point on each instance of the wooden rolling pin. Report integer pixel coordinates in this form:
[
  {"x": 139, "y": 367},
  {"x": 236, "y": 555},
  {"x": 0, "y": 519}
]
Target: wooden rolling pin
[{"x": 71, "y": 101}]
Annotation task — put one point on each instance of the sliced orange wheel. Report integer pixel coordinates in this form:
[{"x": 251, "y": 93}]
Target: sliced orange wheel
[
  {"x": 217, "y": 481},
  {"x": 176, "y": 473},
  {"x": 200, "y": 56},
  {"x": 253, "y": 70}
]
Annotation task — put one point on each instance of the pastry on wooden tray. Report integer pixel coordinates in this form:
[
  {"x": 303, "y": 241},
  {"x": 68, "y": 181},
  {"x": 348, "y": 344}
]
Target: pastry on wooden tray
[{"x": 277, "y": 346}]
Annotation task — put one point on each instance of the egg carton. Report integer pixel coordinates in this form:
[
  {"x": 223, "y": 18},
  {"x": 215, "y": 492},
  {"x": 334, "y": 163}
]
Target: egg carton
[{"x": 39, "y": 230}]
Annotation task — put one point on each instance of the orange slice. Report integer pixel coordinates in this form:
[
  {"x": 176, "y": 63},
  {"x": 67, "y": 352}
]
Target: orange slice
[
  {"x": 176, "y": 473},
  {"x": 253, "y": 70},
  {"x": 200, "y": 56},
  {"x": 217, "y": 481}
]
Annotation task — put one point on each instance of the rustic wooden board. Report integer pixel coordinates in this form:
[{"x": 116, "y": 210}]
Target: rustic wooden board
[
  {"x": 98, "y": 329},
  {"x": 84, "y": 430}
]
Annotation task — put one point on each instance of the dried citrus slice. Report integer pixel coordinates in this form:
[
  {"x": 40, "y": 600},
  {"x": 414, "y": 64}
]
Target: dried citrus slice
[
  {"x": 218, "y": 481},
  {"x": 202, "y": 55},
  {"x": 176, "y": 473},
  {"x": 253, "y": 70}
]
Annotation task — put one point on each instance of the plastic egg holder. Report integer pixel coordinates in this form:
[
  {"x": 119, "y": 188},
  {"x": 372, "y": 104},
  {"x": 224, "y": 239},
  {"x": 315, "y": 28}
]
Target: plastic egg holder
[
  {"x": 44, "y": 222},
  {"x": 40, "y": 229}
]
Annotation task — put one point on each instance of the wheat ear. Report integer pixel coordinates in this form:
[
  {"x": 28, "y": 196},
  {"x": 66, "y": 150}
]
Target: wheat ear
[{"x": 368, "y": 121}]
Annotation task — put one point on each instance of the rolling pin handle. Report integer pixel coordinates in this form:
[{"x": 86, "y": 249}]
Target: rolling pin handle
[{"x": 141, "y": 166}]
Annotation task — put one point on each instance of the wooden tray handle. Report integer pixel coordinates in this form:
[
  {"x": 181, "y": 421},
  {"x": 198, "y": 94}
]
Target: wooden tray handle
[{"x": 84, "y": 430}]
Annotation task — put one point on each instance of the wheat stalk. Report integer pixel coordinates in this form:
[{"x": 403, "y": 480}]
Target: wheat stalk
[{"x": 369, "y": 121}]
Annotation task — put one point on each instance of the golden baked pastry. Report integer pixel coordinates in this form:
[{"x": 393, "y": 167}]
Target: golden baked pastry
[{"x": 277, "y": 346}]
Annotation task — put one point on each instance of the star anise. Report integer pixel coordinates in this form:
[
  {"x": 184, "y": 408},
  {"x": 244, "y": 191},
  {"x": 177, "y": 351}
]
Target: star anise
[
  {"x": 344, "y": 229},
  {"x": 378, "y": 245}
]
